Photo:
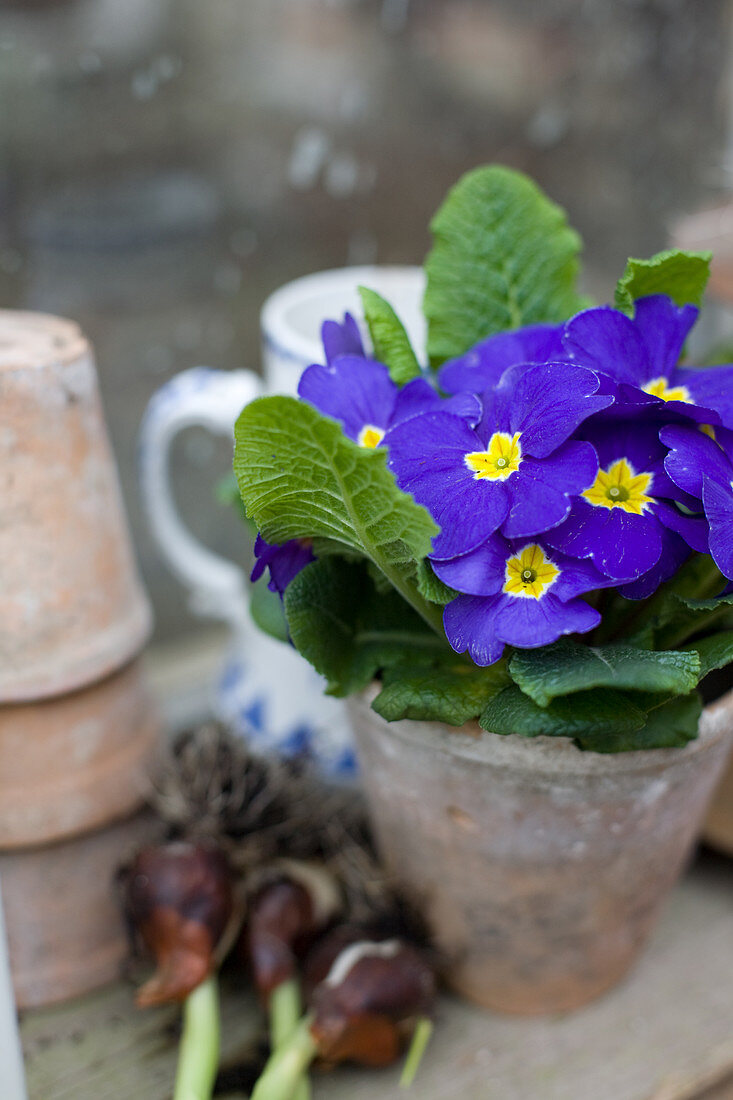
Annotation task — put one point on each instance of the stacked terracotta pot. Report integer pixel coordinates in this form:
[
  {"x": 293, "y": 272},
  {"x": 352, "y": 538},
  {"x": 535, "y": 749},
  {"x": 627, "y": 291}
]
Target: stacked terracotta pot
[{"x": 76, "y": 725}]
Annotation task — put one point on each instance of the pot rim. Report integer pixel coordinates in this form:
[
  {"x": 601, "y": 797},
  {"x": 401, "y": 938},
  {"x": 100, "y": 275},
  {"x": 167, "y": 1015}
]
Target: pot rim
[
  {"x": 554, "y": 755},
  {"x": 39, "y": 340}
]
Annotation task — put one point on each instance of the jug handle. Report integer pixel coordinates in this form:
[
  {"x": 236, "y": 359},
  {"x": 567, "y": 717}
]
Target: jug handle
[{"x": 212, "y": 399}]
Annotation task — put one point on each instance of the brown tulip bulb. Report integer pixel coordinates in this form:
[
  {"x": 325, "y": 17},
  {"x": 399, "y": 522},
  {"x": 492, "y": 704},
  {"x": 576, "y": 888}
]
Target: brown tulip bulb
[
  {"x": 180, "y": 899},
  {"x": 292, "y": 903},
  {"x": 371, "y": 991}
]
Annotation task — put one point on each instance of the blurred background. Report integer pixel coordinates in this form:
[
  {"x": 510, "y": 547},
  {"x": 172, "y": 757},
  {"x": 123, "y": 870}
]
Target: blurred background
[{"x": 166, "y": 164}]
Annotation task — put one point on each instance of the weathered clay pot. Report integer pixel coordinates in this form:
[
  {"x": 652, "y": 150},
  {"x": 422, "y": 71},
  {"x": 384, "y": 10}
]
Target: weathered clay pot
[
  {"x": 718, "y": 829},
  {"x": 76, "y": 762},
  {"x": 71, "y": 606},
  {"x": 63, "y": 917},
  {"x": 540, "y": 868}
]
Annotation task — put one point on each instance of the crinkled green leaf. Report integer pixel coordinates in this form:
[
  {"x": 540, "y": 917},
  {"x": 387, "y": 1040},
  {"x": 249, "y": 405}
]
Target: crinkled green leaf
[
  {"x": 266, "y": 609},
  {"x": 446, "y": 690},
  {"x": 601, "y": 713},
  {"x": 390, "y": 341},
  {"x": 567, "y": 667},
  {"x": 301, "y": 477},
  {"x": 349, "y": 631},
  {"x": 503, "y": 256},
  {"x": 432, "y": 587},
  {"x": 714, "y": 603},
  {"x": 682, "y": 276},
  {"x": 669, "y": 726},
  {"x": 715, "y": 651}
]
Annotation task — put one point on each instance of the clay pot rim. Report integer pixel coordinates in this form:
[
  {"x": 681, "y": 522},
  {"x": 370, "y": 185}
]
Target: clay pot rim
[
  {"x": 548, "y": 755},
  {"x": 58, "y": 341}
]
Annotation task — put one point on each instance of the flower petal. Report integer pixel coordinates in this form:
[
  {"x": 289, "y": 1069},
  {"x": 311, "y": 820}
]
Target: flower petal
[
  {"x": 663, "y": 327},
  {"x": 718, "y": 501},
  {"x": 692, "y": 454},
  {"x": 482, "y": 367},
  {"x": 341, "y": 338},
  {"x": 540, "y": 491},
  {"x": 478, "y": 573},
  {"x": 427, "y": 456},
  {"x": 530, "y": 624},
  {"x": 418, "y": 396},
  {"x": 355, "y": 391},
  {"x": 711, "y": 389},
  {"x": 284, "y": 560},
  {"x": 608, "y": 341},
  {"x": 468, "y": 624},
  {"x": 548, "y": 402},
  {"x": 674, "y": 552},
  {"x": 622, "y": 545}
]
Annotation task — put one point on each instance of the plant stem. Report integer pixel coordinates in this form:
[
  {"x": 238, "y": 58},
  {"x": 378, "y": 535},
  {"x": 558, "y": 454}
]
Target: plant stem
[
  {"x": 285, "y": 1009},
  {"x": 198, "y": 1056},
  {"x": 418, "y": 1045},
  {"x": 431, "y": 613},
  {"x": 286, "y": 1065}
]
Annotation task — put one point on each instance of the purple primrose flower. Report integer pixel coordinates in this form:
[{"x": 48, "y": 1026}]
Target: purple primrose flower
[
  {"x": 516, "y": 470},
  {"x": 284, "y": 561},
  {"x": 703, "y": 467},
  {"x": 624, "y": 521},
  {"x": 360, "y": 394},
  {"x": 518, "y": 593},
  {"x": 640, "y": 356},
  {"x": 482, "y": 366}
]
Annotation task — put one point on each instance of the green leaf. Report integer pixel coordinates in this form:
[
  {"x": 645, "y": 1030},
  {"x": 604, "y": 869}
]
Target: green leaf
[
  {"x": 681, "y": 275},
  {"x": 714, "y": 603},
  {"x": 601, "y": 713},
  {"x": 667, "y": 727},
  {"x": 266, "y": 609},
  {"x": 349, "y": 631},
  {"x": 390, "y": 341},
  {"x": 503, "y": 256},
  {"x": 567, "y": 667},
  {"x": 676, "y": 611},
  {"x": 439, "y": 691},
  {"x": 715, "y": 651},
  {"x": 432, "y": 587},
  {"x": 300, "y": 477}
]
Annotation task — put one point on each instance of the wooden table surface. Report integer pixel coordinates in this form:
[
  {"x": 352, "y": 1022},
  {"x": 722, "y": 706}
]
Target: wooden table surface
[{"x": 665, "y": 1034}]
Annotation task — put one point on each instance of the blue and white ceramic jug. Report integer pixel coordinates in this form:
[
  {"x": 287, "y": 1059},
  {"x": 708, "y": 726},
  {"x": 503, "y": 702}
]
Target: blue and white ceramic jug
[{"x": 266, "y": 691}]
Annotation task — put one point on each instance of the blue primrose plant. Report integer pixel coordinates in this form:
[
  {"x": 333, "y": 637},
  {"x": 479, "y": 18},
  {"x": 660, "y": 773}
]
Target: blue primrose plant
[{"x": 533, "y": 529}]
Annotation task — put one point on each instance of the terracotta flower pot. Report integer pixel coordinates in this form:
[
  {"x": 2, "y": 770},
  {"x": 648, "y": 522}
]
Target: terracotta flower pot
[
  {"x": 77, "y": 762},
  {"x": 718, "y": 829},
  {"x": 64, "y": 921},
  {"x": 540, "y": 868},
  {"x": 71, "y": 605}
]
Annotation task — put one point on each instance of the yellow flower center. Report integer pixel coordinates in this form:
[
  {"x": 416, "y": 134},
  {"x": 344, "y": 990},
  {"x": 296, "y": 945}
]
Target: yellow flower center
[
  {"x": 370, "y": 436},
  {"x": 620, "y": 487},
  {"x": 530, "y": 573},
  {"x": 660, "y": 387},
  {"x": 499, "y": 461}
]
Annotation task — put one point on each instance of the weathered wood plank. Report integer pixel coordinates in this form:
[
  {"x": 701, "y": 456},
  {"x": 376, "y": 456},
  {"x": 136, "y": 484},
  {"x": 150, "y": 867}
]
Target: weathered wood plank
[{"x": 665, "y": 1034}]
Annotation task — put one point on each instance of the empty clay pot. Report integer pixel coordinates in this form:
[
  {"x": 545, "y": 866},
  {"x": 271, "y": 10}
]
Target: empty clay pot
[
  {"x": 540, "y": 868},
  {"x": 71, "y": 606},
  {"x": 76, "y": 762},
  {"x": 63, "y": 916}
]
